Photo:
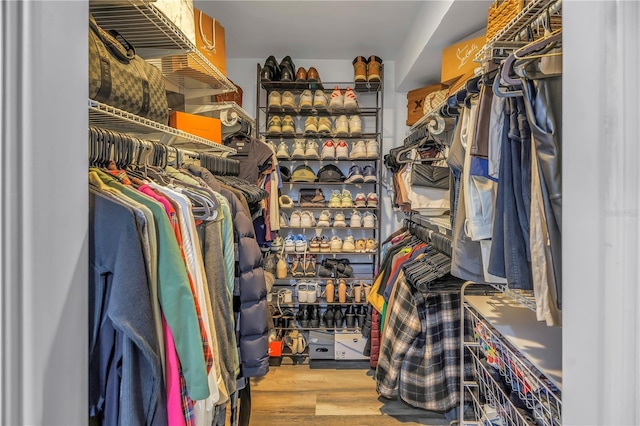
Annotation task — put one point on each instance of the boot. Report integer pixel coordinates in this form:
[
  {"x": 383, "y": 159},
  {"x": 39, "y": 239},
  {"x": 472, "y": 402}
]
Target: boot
[
  {"x": 373, "y": 68},
  {"x": 329, "y": 317},
  {"x": 337, "y": 317},
  {"x": 351, "y": 317},
  {"x": 315, "y": 318},
  {"x": 360, "y": 69}
]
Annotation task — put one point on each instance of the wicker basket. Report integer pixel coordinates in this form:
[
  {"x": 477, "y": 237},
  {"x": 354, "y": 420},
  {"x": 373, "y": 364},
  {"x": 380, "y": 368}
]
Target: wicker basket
[{"x": 501, "y": 13}]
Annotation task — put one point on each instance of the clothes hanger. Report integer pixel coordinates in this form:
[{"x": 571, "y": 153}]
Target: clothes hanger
[
  {"x": 524, "y": 52},
  {"x": 504, "y": 94}
]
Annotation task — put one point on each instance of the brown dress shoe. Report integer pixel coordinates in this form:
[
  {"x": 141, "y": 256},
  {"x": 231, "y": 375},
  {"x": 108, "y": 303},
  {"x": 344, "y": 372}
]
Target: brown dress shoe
[
  {"x": 312, "y": 75},
  {"x": 360, "y": 69},
  {"x": 301, "y": 74},
  {"x": 373, "y": 68}
]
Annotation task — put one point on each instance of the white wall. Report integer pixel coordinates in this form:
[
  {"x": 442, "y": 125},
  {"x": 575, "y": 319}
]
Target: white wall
[{"x": 44, "y": 212}]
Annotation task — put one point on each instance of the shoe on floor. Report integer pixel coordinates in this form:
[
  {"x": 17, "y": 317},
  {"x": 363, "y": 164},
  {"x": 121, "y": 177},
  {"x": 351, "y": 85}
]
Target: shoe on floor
[{"x": 306, "y": 99}]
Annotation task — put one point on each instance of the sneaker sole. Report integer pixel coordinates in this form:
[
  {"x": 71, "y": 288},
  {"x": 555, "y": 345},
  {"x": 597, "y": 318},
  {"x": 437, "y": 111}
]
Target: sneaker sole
[
  {"x": 306, "y": 105},
  {"x": 339, "y": 225},
  {"x": 360, "y": 78},
  {"x": 370, "y": 179},
  {"x": 372, "y": 204},
  {"x": 320, "y": 106},
  {"x": 314, "y": 249},
  {"x": 353, "y": 250},
  {"x": 325, "y": 250},
  {"x": 358, "y": 156},
  {"x": 324, "y": 129},
  {"x": 361, "y": 204},
  {"x": 333, "y": 206},
  {"x": 289, "y": 250},
  {"x": 275, "y": 130},
  {"x": 355, "y": 179},
  {"x": 288, "y": 129}
]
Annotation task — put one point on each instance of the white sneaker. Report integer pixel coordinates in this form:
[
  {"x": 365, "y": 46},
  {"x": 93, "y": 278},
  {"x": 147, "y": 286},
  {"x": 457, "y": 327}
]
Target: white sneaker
[
  {"x": 337, "y": 99},
  {"x": 311, "y": 150},
  {"x": 369, "y": 220},
  {"x": 349, "y": 245},
  {"x": 361, "y": 200},
  {"x": 275, "y": 100},
  {"x": 350, "y": 99},
  {"x": 345, "y": 199},
  {"x": 306, "y": 99},
  {"x": 324, "y": 220},
  {"x": 339, "y": 221},
  {"x": 328, "y": 150},
  {"x": 342, "y": 150},
  {"x": 355, "y": 125},
  {"x": 306, "y": 219},
  {"x": 288, "y": 100},
  {"x": 372, "y": 149},
  {"x": 358, "y": 150},
  {"x": 355, "y": 221},
  {"x": 289, "y": 244},
  {"x": 320, "y": 100},
  {"x": 295, "y": 219},
  {"x": 336, "y": 244},
  {"x": 283, "y": 150},
  {"x": 342, "y": 126},
  {"x": 301, "y": 243},
  {"x": 298, "y": 148}
]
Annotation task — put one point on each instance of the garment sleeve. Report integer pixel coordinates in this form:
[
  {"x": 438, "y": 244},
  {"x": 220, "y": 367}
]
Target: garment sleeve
[{"x": 403, "y": 326}]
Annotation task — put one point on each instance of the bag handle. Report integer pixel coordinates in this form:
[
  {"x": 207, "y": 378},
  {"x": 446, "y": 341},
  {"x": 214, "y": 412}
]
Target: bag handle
[
  {"x": 207, "y": 44},
  {"x": 114, "y": 41}
]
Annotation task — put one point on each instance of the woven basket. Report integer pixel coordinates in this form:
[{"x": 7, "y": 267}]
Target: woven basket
[{"x": 501, "y": 13}]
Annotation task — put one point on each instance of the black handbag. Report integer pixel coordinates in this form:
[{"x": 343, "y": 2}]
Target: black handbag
[
  {"x": 120, "y": 78},
  {"x": 430, "y": 176}
]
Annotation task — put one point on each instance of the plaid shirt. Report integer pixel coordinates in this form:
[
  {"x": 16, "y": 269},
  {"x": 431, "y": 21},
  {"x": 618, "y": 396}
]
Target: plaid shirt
[
  {"x": 187, "y": 404},
  {"x": 420, "y": 349}
]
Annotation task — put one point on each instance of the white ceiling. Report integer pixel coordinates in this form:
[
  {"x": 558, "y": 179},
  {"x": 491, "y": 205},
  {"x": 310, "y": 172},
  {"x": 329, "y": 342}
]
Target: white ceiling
[
  {"x": 312, "y": 29},
  {"x": 413, "y": 33}
]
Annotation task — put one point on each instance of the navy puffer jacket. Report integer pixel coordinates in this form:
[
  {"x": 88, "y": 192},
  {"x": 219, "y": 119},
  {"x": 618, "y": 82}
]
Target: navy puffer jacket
[{"x": 250, "y": 285}]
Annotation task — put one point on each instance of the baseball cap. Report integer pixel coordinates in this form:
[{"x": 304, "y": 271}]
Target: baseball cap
[
  {"x": 330, "y": 173},
  {"x": 303, "y": 174}
]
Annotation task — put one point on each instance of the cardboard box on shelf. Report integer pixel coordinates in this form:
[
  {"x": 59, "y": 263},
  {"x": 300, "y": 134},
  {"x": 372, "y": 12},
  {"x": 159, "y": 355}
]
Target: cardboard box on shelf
[
  {"x": 205, "y": 127},
  {"x": 321, "y": 344},
  {"x": 349, "y": 346},
  {"x": 415, "y": 101},
  {"x": 457, "y": 59}
]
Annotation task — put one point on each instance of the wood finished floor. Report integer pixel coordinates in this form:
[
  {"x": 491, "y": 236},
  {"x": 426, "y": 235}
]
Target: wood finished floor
[{"x": 301, "y": 396}]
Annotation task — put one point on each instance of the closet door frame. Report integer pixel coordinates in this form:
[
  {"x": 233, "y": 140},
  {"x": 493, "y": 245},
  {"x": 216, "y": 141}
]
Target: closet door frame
[{"x": 44, "y": 212}]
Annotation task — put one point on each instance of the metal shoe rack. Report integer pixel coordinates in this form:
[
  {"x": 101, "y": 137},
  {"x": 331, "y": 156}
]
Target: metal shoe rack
[{"x": 370, "y": 106}]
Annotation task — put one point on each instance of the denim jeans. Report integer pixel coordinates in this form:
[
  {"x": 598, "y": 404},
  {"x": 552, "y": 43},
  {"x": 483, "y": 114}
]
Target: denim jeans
[{"x": 510, "y": 247}]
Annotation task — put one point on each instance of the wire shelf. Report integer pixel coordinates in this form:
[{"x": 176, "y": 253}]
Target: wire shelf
[
  {"x": 154, "y": 36},
  {"x": 213, "y": 109},
  {"x": 523, "y": 297},
  {"x": 327, "y": 112},
  {"x": 541, "y": 398},
  {"x": 108, "y": 117},
  {"x": 318, "y": 136},
  {"x": 514, "y": 30}
]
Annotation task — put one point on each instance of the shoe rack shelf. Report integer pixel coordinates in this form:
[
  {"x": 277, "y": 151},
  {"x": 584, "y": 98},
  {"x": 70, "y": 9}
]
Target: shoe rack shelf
[
  {"x": 333, "y": 112},
  {"x": 353, "y": 228},
  {"x": 370, "y": 106}
]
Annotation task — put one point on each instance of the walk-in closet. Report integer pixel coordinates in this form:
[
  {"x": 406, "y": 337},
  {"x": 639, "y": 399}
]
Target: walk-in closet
[{"x": 319, "y": 212}]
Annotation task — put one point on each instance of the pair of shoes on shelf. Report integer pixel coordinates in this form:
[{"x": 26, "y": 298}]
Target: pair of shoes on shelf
[
  {"x": 339, "y": 101},
  {"x": 359, "y": 175},
  {"x": 344, "y": 126},
  {"x": 335, "y": 150},
  {"x": 370, "y": 200},
  {"x": 340, "y": 199},
  {"x": 281, "y": 126},
  {"x": 303, "y": 265},
  {"x": 364, "y": 150},
  {"x": 366, "y": 69},
  {"x": 287, "y": 100},
  {"x": 317, "y": 125},
  {"x": 284, "y": 71}
]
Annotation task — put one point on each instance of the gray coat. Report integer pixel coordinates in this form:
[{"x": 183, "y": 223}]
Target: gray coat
[{"x": 250, "y": 292}]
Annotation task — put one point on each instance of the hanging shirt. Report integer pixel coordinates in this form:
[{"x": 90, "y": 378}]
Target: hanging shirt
[{"x": 254, "y": 155}]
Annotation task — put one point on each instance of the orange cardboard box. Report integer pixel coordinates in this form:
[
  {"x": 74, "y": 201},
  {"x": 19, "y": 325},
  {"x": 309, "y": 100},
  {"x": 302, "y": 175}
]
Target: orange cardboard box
[
  {"x": 457, "y": 59},
  {"x": 205, "y": 127}
]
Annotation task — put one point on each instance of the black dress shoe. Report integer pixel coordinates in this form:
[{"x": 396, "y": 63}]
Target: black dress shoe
[
  {"x": 271, "y": 70},
  {"x": 287, "y": 69}
]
